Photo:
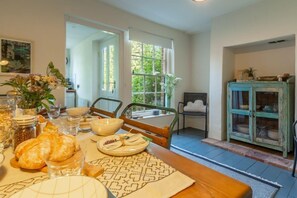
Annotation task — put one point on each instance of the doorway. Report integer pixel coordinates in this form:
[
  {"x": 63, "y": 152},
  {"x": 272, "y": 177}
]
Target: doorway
[{"x": 92, "y": 63}]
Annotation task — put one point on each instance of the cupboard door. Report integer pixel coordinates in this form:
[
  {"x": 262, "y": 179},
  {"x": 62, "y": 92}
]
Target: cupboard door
[
  {"x": 239, "y": 115},
  {"x": 266, "y": 116}
]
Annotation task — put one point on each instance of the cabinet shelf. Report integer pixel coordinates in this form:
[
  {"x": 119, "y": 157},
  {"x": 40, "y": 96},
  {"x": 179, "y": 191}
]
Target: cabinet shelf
[{"x": 261, "y": 113}]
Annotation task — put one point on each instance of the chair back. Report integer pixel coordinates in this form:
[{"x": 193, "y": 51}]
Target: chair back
[
  {"x": 294, "y": 132},
  {"x": 191, "y": 97},
  {"x": 100, "y": 107},
  {"x": 159, "y": 135}
]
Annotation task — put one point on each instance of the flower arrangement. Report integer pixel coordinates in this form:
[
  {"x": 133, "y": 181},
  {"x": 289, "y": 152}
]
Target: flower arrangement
[
  {"x": 169, "y": 84},
  {"x": 34, "y": 90}
]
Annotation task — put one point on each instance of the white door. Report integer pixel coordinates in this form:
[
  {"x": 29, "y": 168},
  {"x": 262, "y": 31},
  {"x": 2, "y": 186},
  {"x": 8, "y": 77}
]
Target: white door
[{"x": 109, "y": 67}]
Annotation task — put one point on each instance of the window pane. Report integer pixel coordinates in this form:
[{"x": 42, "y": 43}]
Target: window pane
[
  {"x": 136, "y": 65},
  {"x": 148, "y": 50},
  {"x": 158, "y": 52},
  {"x": 158, "y": 66},
  {"x": 149, "y": 84},
  {"x": 150, "y": 99},
  {"x": 160, "y": 99},
  {"x": 105, "y": 67},
  {"x": 148, "y": 65},
  {"x": 136, "y": 48},
  {"x": 159, "y": 80},
  {"x": 137, "y": 83},
  {"x": 111, "y": 67},
  {"x": 138, "y": 98}
]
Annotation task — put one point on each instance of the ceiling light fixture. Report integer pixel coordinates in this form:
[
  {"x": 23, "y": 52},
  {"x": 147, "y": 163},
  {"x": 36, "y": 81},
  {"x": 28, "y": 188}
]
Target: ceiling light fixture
[{"x": 198, "y": 0}]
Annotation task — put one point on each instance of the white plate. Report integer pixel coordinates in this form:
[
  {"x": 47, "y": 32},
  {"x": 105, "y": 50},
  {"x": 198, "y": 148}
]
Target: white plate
[
  {"x": 70, "y": 186},
  {"x": 123, "y": 150}
]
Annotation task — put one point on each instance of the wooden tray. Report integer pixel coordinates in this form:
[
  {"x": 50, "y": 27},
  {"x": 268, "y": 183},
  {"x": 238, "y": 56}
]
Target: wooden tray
[{"x": 267, "y": 78}]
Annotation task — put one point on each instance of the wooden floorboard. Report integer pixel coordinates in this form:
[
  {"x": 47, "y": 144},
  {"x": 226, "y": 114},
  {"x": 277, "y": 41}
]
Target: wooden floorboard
[
  {"x": 245, "y": 164},
  {"x": 191, "y": 138}
]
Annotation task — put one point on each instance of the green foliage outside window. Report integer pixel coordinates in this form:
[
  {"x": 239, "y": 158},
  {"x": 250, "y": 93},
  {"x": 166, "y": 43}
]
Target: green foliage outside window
[{"x": 148, "y": 69}]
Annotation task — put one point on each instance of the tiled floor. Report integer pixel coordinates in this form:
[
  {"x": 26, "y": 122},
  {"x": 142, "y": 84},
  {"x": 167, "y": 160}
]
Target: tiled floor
[{"x": 235, "y": 155}]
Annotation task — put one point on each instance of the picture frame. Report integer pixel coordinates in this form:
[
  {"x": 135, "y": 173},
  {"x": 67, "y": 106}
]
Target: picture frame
[{"x": 17, "y": 56}]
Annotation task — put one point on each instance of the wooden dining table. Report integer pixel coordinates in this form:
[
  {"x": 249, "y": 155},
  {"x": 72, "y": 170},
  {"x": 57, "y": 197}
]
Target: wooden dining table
[{"x": 207, "y": 182}]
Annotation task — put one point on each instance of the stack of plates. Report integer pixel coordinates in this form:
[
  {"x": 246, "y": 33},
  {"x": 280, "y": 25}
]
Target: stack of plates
[{"x": 24, "y": 119}]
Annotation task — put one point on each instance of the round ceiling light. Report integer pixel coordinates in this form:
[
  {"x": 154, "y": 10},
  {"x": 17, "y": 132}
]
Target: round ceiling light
[{"x": 198, "y": 0}]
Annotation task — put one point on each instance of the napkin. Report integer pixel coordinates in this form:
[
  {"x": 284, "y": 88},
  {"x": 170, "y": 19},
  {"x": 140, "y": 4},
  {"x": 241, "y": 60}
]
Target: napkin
[{"x": 133, "y": 139}]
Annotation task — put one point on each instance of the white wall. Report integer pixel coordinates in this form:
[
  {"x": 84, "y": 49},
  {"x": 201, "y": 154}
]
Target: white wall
[
  {"x": 200, "y": 57},
  {"x": 43, "y": 23},
  {"x": 265, "y": 20},
  {"x": 269, "y": 62}
]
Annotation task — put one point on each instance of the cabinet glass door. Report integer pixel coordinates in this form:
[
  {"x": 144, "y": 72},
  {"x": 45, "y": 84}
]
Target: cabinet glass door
[
  {"x": 266, "y": 114},
  {"x": 240, "y": 113}
]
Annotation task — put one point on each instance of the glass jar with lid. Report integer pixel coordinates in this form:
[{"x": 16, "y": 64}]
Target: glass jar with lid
[
  {"x": 6, "y": 114},
  {"x": 24, "y": 129}
]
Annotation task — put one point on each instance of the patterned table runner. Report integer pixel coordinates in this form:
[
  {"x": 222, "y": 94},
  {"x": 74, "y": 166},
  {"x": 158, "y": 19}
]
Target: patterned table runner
[{"x": 141, "y": 175}]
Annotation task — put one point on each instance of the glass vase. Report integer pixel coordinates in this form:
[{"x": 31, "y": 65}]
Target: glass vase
[{"x": 168, "y": 102}]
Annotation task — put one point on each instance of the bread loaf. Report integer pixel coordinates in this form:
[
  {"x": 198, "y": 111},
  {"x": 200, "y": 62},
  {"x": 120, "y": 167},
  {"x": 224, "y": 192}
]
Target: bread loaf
[{"x": 31, "y": 153}]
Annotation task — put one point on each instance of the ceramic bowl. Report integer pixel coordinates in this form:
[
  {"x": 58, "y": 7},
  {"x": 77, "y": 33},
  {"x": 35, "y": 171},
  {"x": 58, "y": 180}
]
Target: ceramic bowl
[
  {"x": 243, "y": 128},
  {"x": 106, "y": 126},
  {"x": 77, "y": 111},
  {"x": 273, "y": 134}
]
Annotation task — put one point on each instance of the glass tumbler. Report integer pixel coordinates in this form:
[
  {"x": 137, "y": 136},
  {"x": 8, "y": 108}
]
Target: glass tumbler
[
  {"x": 71, "y": 166},
  {"x": 53, "y": 112}
]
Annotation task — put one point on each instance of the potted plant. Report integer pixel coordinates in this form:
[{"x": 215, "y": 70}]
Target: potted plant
[
  {"x": 250, "y": 72},
  {"x": 169, "y": 84}
]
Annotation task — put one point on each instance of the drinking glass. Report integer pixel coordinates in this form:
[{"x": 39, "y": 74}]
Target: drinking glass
[
  {"x": 53, "y": 112},
  {"x": 71, "y": 166},
  {"x": 72, "y": 126}
]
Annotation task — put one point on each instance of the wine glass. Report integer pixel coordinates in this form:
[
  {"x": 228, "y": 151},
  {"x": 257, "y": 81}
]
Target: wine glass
[{"x": 54, "y": 111}]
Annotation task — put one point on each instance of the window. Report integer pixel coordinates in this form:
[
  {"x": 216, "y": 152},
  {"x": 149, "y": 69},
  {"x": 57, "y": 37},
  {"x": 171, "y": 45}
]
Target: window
[
  {"x": 108, "y": 68},
  {"x": 148, "y": 65}
]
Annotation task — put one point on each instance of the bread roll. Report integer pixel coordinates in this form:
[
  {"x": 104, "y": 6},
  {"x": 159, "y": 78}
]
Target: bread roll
[{"x": 31, "y": 153}]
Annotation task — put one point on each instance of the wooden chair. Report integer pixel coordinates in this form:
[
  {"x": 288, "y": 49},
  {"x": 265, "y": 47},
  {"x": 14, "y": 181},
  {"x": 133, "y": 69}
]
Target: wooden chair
[
  {"x": 295, "y": 145},
  {"x": 192, "y": 97},
  {"x": 97, "y": 109},
  {"x": 159, "y": 135}
]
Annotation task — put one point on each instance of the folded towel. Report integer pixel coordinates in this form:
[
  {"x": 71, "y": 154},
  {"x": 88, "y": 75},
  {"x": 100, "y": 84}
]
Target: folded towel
[{"x": 197, "y": 106}]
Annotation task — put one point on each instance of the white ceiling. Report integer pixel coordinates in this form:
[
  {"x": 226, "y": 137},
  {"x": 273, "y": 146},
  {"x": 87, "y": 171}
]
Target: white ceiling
[{"x": 184, "y": 15}]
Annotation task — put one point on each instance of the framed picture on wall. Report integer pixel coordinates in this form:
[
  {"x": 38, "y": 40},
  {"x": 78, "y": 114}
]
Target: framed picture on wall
[{"x": 16, "y": 56}]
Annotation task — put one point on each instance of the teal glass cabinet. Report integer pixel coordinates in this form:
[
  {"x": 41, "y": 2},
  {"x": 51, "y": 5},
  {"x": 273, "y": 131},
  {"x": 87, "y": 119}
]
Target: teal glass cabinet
[{"x": 261, "y": 113}]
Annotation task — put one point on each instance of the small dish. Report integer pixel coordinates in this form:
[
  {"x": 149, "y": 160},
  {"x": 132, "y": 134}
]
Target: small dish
[
  {"x": 70, "y": 186},
  {"x": 121, "y": 149}
]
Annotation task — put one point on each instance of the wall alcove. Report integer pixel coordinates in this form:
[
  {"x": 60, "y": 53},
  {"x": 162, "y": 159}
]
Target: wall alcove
[{"x": 269, "y": 57}]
